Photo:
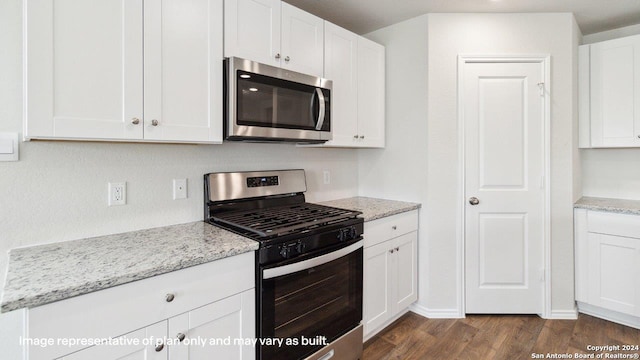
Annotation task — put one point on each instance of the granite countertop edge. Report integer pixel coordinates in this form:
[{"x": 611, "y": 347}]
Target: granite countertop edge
[
  {"x": 374, "y": 208},
  {"x": 93, "y": 286},
  {"x": 620, "y": 206},
  {"x": 26, "y": 290}
]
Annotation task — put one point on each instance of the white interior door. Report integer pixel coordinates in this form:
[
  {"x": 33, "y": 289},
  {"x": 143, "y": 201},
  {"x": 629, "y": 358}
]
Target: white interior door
[{"x": 503, "y": 109}]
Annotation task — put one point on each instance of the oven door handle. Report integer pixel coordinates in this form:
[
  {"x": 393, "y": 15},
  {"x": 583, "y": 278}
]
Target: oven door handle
[{"x": 307, "y": 264}]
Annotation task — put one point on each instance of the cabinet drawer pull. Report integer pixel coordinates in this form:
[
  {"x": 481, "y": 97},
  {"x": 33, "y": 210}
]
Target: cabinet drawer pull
[
  {"x": 397, "y": 249},
  {"x": 391, "y": 251},
  {"x": 159, "y": 347},
  {"x": 170, "y": 297},
  {"x": 181, "y": 337}
]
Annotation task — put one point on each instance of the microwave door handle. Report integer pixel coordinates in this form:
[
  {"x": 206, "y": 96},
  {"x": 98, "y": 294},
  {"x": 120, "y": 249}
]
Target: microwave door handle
[{"x": 321, "y": 111}]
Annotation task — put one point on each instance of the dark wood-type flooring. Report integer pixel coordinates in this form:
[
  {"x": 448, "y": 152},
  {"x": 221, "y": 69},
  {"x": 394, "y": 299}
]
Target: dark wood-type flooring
[{"x": 495, "y": 337}]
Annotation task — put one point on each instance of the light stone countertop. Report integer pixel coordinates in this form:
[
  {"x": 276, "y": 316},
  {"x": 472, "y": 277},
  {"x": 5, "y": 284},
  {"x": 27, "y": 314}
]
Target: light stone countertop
[
  {"x": 372, "y": 208},
  {"x": 631, "y": 207},
  {"x": 46, "y": 273}
]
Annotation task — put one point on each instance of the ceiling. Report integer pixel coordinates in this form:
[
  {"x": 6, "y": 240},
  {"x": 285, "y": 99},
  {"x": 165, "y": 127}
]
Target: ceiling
[{"x": 363, "y": 16}]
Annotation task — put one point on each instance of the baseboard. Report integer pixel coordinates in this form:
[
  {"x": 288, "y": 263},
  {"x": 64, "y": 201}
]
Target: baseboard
[
  {"x": 564, "y": 314},
  {"x": 435, "y": 313},
  {"x": 609, "y": 315}
]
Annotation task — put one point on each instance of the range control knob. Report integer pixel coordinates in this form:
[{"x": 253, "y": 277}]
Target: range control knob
[
  {"x": 301, "y": 247},
  {"x": 285, "y": 252},
  {"x": 353, "y": 233},
  {"x": 342, "y": 236}
]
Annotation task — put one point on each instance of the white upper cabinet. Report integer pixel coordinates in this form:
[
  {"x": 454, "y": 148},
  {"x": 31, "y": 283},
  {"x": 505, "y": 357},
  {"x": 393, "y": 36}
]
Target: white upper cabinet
[
  {"x": 274, "y": 33},
  {"x": 610, "y": 93},
  {"x": 357, "y": 68},
  {"x": 371, "y": 93},
  {"x": 341, "y": 66},
  {"x": 87, "y": 64},
  {"x": 252, "y": 30}
]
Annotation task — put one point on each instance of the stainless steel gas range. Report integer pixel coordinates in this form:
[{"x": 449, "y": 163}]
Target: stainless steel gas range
[{"x": 308, "y": 266}]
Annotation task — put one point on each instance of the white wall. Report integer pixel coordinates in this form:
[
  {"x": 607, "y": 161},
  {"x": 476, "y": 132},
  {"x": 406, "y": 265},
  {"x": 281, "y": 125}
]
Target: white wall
[
  {"x": 430, "y": 132},
  {"x": 398, "y": 171},
  {"x": 58, "y": 190},
  {"x": 612, "y": 173}
]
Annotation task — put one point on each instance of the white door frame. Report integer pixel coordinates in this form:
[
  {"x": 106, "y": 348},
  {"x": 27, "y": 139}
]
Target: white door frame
[{"x": 545, "y": 60}]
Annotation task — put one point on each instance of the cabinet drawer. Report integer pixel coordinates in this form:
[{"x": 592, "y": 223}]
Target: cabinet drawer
[
  {"x": 390, "y": 227},
  {"x": 613, "y": 224},
  {"x": 118, "y": 310}
]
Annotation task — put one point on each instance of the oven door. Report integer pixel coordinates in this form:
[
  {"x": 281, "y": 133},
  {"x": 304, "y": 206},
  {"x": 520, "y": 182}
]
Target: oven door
[{"x": 310, "y": 303}]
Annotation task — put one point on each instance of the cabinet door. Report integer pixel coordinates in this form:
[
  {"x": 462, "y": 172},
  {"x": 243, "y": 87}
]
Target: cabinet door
[
  {"x": 140, "y": 344},
  {"x": 614, "y": 273},
  {"x": 183, "y": 70},
  {"x": 371, "y": 93},
  {"x": 615, "y": 93},
  {"x": 340, "y": 66},
  {"x": 220, "y": 325},
  {"x": 404, "y": 282},
  {"x": 83, "y": 64},
  {"x": 376, "y": 295},
  {"x": 252, "y": 30},
  {"x": 302, "y": 41}
]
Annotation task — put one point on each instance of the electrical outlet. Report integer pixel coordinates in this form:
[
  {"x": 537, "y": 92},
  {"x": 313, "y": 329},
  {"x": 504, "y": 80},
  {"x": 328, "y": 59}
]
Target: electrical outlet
[
  {"x": 117, "y": 193},
  {"x": 327, "y": 177},
  {"x": 179, "y": 189}
]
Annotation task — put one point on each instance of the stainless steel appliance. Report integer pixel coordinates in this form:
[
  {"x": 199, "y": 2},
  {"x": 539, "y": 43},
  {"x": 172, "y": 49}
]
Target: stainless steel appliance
[
  {"x": 266, "y": 103},
  {"x": 309, "y": 264}
]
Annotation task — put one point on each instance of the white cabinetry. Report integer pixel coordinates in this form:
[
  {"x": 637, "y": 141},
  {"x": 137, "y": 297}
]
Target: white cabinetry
[
  {"x": 610, "y": 93},
  {"x": 274, "y": 33},
  {"x": 141, "y": 71},
  {"x": 356, "y": 66},
  {"x": 390, "y": 269},
  {"x": 208, "y": 302},
  {"x": 608, "y": 265}
]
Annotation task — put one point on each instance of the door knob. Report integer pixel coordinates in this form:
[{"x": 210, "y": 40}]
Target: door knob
[{"x": 474, "y": 200}]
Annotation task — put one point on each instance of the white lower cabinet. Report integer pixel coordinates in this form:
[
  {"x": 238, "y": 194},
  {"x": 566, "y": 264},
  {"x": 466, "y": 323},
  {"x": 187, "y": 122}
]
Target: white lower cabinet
[
  {"x": 131, "y": 346},
  {"x": 390, "y": 269},
  {"x": 201, "y": 312},
  {"x": 608, "y": 265}
]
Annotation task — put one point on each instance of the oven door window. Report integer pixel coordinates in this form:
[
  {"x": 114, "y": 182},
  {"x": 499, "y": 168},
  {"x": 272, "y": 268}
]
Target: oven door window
[
  {"x": 269, "y": 102},
  {"x": 322, "y": 302}
]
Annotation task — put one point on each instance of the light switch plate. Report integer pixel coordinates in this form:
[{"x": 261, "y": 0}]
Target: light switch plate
[{"x": 9, "y": 147}]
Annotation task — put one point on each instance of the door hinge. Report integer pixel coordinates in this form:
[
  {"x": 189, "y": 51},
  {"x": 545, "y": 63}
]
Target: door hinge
[{"x": 541, "y": 87}]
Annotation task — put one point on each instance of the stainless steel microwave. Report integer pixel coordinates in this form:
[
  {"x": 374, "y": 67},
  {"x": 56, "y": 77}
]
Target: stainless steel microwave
[{"x": 266, "y": 103}]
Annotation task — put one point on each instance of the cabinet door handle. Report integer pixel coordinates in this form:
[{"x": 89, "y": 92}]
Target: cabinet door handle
[
  {"x": 135, "y": 121},
  {"x": 355, "y": 136},
  {"x": 394, "y": 227},
  {"x": 397, "y": 249},
  {"x": 159, "y": 347},
  {"x": 391, "y": 251},
  {"x": 361, "y": 136},
  {"x": 170, "y": 297},
  {"x": 287, "y": 59},
  {"x": 181, "y": 337},
  {"x": 638, "y": 136},
  {"x": 154, "y": 122},
  {"x": 278, "y": 56}
]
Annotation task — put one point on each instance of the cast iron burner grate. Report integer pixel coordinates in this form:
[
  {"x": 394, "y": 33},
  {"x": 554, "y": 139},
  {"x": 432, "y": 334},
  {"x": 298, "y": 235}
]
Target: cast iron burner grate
[{"x": 276, "y": 221}]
